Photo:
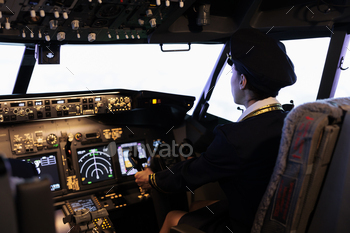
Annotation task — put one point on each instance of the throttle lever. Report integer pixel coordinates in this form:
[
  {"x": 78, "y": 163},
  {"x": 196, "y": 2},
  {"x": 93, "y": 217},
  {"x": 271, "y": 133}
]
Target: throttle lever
[{"x": 134, "y": 158}]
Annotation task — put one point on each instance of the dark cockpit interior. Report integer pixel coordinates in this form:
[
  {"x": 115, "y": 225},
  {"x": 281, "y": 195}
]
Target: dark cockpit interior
[{"x": 86, "y": 141}]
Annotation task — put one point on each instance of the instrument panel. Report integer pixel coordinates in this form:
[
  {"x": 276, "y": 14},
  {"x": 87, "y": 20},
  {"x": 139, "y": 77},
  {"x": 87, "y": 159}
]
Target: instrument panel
[
  {"x": 46, "y": 108},
  {"x": 68, "y": 137}
]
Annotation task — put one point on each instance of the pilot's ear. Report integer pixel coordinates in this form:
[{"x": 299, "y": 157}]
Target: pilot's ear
[{"x": 242, "y": 82}]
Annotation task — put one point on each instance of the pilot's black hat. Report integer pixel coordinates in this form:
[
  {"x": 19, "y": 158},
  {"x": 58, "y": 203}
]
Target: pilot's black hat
[{"x": 262, "y": 59}]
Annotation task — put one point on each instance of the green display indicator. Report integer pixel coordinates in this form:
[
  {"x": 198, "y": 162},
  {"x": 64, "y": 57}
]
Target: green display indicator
[
  {"x": 55, "y": 145},
  {"x": 110, "y": 175},
  {"x": 89, "y": 182},
  {"x": 92, "y": 150}
]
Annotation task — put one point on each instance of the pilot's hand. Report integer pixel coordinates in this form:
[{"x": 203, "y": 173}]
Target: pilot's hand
[{"x": 142, "y": 178}]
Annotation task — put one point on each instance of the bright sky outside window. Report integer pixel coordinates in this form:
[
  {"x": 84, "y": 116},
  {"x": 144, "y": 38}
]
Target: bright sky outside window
[
  {"x": 136, "y": 67},
  {"x": 10, "y": 60},
  {"x": 308, "y": 56}
]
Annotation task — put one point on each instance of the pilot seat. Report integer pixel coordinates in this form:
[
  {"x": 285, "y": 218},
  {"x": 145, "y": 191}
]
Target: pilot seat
[{"x": 309, "y": 189}]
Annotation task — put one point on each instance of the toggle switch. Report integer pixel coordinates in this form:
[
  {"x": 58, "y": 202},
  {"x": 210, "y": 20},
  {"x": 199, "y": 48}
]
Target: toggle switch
[
  {"x": 7, "y": 24},
  {"x": 42, "y": 13},
  {"x": 32, "y": 13},
  {"x": 65, "y": 15},
  {"x": 181, "y": 4},
  {"x": 56, "y": 14}
]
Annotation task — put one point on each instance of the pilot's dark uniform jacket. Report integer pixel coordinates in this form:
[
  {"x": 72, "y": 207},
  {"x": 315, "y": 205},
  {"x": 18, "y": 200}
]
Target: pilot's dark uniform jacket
[
  {"x": 241, "y": 158},
  {"x": 242, "y": 155}
]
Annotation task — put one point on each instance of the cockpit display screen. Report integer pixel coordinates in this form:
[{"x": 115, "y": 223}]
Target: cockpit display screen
[
  {"x": 123, "y": 150},
  {"x": 47, "y": 164},
  {"x": 95, "y": 164},
  {"x": 80, "y": 204}
]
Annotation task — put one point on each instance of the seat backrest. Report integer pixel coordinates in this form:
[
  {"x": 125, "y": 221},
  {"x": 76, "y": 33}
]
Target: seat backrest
[
  {"x": 332, "y": 213},
  {"x": 309, "y": 136},
  {"x": 26, "y": 204}
]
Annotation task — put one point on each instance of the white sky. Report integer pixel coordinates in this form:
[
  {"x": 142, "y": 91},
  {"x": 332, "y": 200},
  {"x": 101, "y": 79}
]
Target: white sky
[{"x": 145, "y": 67}]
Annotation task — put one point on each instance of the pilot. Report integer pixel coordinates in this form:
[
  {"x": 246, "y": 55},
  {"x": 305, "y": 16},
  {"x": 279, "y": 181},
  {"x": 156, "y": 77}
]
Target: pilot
[{"x": 243, "y": 154}]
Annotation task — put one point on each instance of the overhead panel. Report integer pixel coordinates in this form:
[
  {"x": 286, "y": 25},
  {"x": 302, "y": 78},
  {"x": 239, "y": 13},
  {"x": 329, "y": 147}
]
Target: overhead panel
[{"x": 84, "y": 21}]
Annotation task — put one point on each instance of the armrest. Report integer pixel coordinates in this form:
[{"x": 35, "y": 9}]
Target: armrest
[{"x": 184, "y": 228}]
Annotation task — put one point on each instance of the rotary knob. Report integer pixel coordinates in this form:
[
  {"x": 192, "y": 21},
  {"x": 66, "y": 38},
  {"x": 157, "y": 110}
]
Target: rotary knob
[{"x": 51, "y": 139}]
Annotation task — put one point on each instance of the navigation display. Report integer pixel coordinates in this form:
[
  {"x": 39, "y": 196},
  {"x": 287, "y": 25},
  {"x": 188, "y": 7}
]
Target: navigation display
[
  {"x": 123, "y": 150},
  {"x": 95, "y": 164},
  {"x": 47, "y": 164},
  {"x": 83, "y": 204}
]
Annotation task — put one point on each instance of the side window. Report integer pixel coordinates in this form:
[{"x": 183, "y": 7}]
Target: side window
[
  {"x": 308, "y": 56},
  {"x": 343, "y": 87}
]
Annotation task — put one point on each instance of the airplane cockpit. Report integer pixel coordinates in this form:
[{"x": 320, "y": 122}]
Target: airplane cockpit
[{"x": 93, "y": 91}]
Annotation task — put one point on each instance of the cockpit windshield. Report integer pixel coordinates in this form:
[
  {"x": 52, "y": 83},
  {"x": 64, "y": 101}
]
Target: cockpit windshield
[
  {"x": 136, "y": 67},
  {"x": 146, "y": 67}
]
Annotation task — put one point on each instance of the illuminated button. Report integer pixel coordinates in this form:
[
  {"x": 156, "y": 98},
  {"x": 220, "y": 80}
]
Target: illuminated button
[
  {"x": 91, "y": 106},
  {"x": 90, "y": 100},
  {"x": 120, "y": 195},
  {"x": 30, "y": 103},
  {"x": 84, "y": 101},
  {"x": 47, "y": 102},
  {"x": 47, "y": 108}
]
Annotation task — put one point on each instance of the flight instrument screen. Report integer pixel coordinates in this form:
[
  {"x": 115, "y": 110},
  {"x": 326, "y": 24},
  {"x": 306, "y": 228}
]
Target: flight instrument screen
[
  {"x": 123, "y": 151},
  {"x": 83, "y": 204},
  {"x": 95, "y": 164},
  {"x": 47, "y": 164}
]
